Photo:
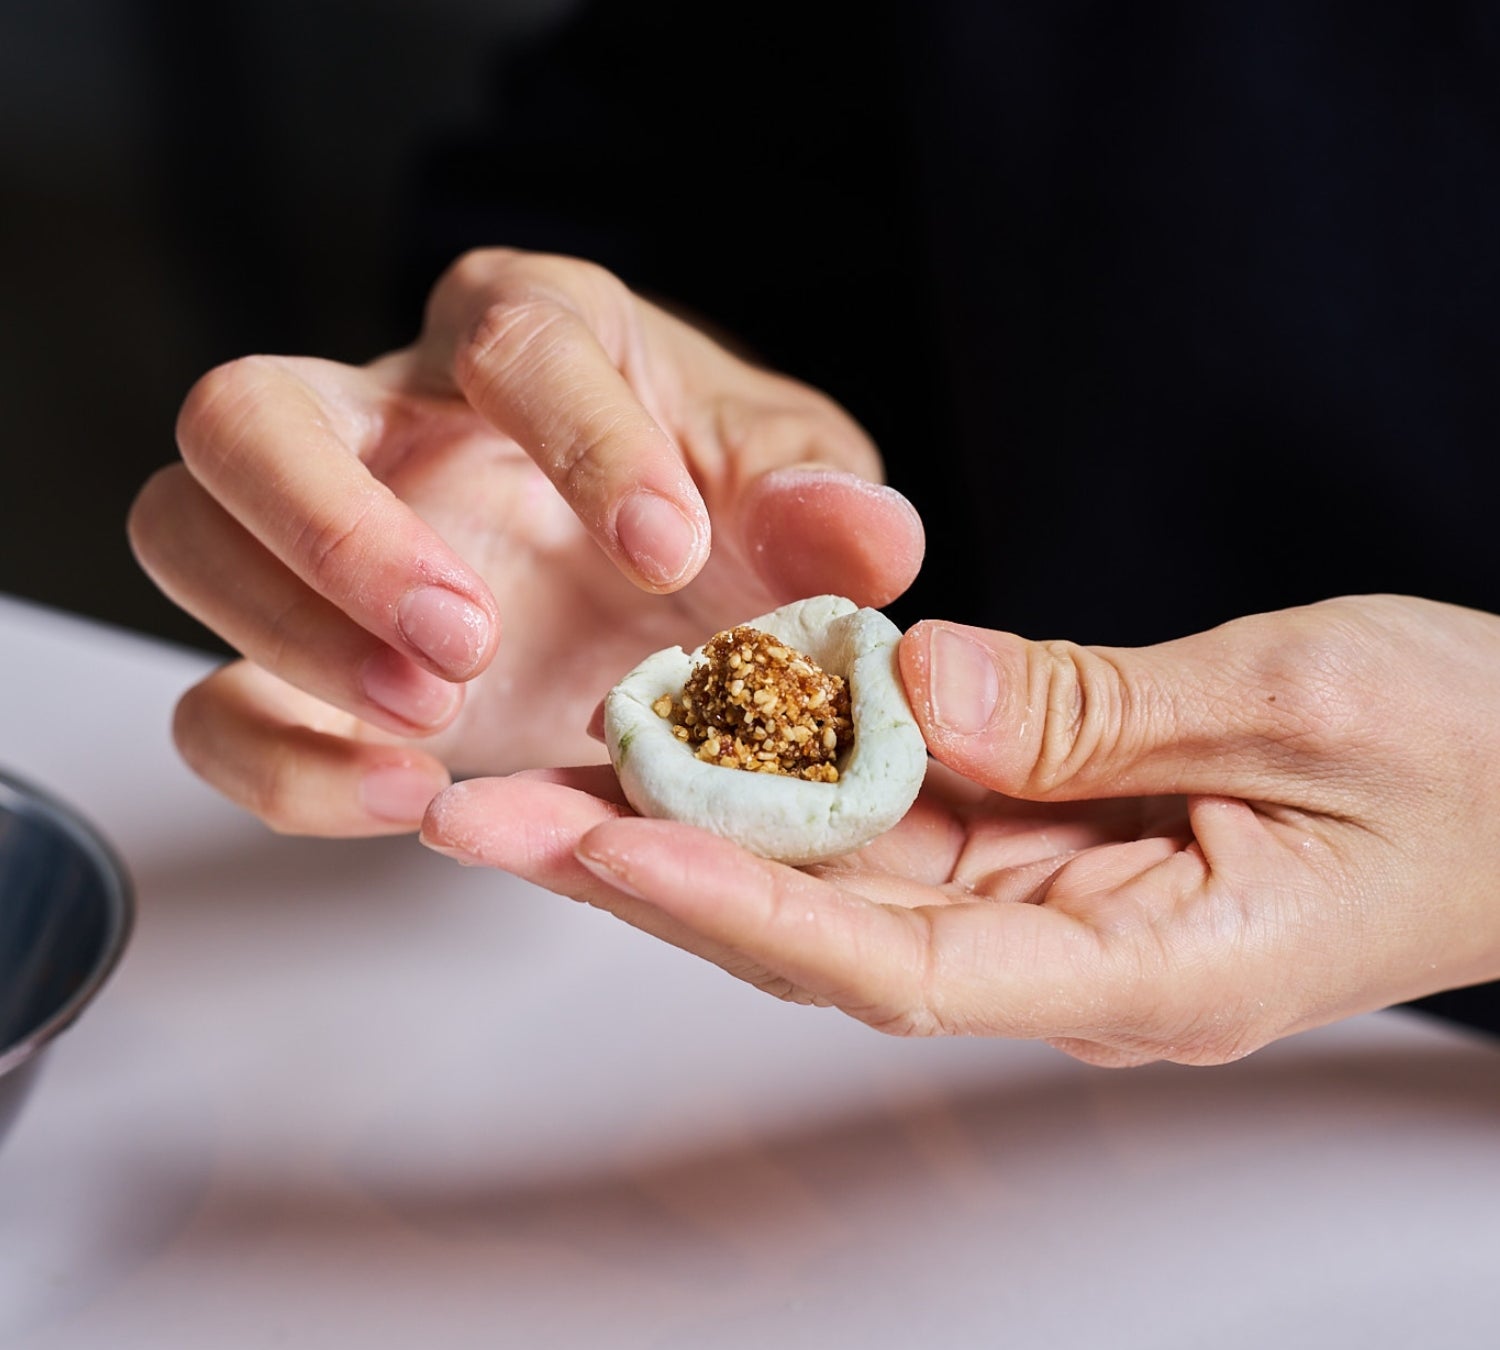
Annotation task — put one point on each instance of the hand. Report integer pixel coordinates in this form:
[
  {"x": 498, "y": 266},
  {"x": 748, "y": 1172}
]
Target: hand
[
  {"x": 1177, "y": 852},
  {"x": 443, "y": 560}
]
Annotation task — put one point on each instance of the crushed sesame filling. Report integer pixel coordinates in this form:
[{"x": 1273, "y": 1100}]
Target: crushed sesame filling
[{"x": 755, "y": 703}]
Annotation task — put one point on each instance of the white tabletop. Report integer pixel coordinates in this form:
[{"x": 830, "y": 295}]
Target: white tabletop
[{"x": 350, "y": 1094}]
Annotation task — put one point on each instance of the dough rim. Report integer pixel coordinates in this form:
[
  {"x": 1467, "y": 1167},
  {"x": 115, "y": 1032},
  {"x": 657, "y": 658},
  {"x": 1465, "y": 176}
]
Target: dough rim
[{"x": 787, "y": 819}]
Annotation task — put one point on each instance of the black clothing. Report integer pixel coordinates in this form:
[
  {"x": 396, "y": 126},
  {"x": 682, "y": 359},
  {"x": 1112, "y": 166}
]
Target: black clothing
[{"x": 1160, "y": 313}]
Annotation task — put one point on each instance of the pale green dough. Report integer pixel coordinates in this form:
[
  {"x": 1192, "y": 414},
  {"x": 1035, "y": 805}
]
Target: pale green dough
[{"x": 775, "y": 816}]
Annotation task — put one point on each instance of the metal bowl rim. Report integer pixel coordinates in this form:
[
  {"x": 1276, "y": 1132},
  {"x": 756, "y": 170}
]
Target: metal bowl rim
[{"x": 25, "y": 798}]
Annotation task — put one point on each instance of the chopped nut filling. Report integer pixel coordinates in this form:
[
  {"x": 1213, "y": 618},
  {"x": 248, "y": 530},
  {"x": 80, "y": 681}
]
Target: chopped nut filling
[{"x": 757, "y": 704}]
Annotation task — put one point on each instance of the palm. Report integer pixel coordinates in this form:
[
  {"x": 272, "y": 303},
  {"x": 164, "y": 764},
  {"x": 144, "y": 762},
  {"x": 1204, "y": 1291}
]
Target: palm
[
  {"x": 1059, "y": 872},
  {"x": 571, "y": 624},
  {"x": 989, "y": 848},
  {"x": 1293, "y": 854},
  {"x": 966, "y": 870}
]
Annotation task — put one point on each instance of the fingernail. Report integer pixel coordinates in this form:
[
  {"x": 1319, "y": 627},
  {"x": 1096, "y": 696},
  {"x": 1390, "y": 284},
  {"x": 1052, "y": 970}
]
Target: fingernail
[
  {"x": 963, "y": 683},
  {"x": 461, "y": 856},
  {"x": 660, "y": 541},
  {"x": 609, "y": 870},
  {"x": 406, "y": 691},
  {"x": 399, "y": 793},
  {"x": 448, "y": 630}
]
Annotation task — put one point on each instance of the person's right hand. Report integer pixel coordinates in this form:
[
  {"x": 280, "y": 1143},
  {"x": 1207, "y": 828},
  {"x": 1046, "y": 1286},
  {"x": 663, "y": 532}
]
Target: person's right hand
[{"x": 552, "y": 456}]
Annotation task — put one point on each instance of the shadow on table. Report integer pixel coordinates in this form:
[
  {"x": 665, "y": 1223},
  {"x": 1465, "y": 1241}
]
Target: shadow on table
[{"x": 1268, "y": 1163}]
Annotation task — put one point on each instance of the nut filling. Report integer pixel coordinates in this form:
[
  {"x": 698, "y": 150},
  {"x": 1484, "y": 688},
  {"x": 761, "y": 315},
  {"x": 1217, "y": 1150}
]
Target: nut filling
[
  {"x": 755, "y": 703},
  {"x": 843, "y": 756}
]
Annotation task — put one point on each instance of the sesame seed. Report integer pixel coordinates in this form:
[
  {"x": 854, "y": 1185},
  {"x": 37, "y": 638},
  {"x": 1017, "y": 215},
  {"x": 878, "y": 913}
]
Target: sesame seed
[{"x": 750, "y": 703}]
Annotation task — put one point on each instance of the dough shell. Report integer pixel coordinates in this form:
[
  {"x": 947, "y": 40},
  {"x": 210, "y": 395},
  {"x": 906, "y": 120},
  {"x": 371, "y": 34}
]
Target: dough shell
[{"x": 773, "y": 815}]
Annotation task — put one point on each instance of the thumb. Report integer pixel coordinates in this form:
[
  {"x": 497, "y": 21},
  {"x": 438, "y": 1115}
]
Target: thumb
[{"x": 1253, "y": 709}]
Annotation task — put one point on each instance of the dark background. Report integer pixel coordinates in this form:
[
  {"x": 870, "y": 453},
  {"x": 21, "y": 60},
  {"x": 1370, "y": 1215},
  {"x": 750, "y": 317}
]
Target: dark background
[
  {"x": 1192, "y": 305},
  {"x": 1195, "y": 302},
  {"x": 182, "y": 183}
]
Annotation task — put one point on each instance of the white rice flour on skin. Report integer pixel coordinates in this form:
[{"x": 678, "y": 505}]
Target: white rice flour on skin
[{"x": 773, "y": 815}]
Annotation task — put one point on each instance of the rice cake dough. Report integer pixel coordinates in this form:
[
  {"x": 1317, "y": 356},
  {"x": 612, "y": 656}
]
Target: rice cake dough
[{"x": 772, "y": 814}]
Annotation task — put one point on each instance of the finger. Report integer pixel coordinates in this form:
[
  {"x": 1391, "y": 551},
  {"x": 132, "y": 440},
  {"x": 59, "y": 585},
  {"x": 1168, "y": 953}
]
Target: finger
[
  {"x": 1259, "y": 708},
  {"x": 595, "y": 726},
  {"x": 596, "y": 780},
  {"x": 290, "y": 760},
  {"x": 278, "y": 444},
  {"x": 209, "y": 565},
  {"x": 551, "y": 352},
  {"x": 811, "y": 531},
  {"x": 529, "y": 825},
  {"x": 955, "y": 967},
  {"x": 524, "y": 824},
  {"x": 874, "y": 961}
]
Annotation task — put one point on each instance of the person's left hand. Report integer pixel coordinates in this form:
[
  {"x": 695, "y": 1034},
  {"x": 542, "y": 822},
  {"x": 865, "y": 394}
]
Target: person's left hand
[
  {"x": 1177, "y": 852},
  {"x": 436, "y": 562}
]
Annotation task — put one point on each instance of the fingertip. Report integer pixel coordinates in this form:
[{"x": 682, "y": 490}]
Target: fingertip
[
  {"x": 664, "y": 542},
  {"x": 525, "y": 823},
  {"x": 268, "y": 747},
  {"x": 437, "y": 829},
  {"x": 749, "y": 910},
  {"x": 810, "y": 530}
]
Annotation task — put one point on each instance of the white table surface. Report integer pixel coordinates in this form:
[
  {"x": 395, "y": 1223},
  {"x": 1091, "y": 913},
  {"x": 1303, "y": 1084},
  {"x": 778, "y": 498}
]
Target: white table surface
[{"x": 352, "y": 1095}]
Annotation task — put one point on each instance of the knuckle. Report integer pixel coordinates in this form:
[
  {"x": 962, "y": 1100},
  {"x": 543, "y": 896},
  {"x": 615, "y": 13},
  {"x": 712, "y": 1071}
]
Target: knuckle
[
  {"x": 1220, "y": 1036},
  {"x": 188, "y": 723},
  {"x": 511, "y": 338},
  {"x": 603, "y": 295},
  {"x": 512, "y": 343},
  {"x": 211, "y": 421},
  {"x": 1314, "y": 689},
  {"x": 477, "y": 271},
  {"x": 263, "y": 784},
  {"x": 777, "y": 986},
  {"x": 1123, "y": 1053},
  {"x": 511, "y": 272},
  {"x": 761, "y": 427},
  {"x": 1078, "y": 706},
  {"x": 835, "y": 431},
  {"x": 1100, "y": 1055},
  {"x": 153, "y": 509},
  {"x": 909, "y": 1023},
  {"x": 271, "y": 790},
  {"x": 1178, "y": 1009},
  {"x": 926, "y": 1003},
  {"x": 581, "y": 467},
  {"x": 330, "y": 544},
  {"x": 477, "y": 267},
  {"x": 526, "y": 305}
]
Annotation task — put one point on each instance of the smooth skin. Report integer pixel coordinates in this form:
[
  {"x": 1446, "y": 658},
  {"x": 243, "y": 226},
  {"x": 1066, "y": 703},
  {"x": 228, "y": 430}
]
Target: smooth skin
[{"x": 441, "y": 561}]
